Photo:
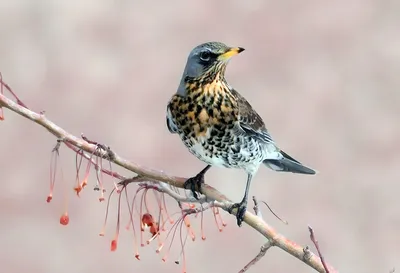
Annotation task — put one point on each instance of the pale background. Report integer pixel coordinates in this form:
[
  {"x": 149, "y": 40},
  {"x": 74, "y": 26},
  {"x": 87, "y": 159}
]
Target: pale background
[{"x": 324, "y": 75}]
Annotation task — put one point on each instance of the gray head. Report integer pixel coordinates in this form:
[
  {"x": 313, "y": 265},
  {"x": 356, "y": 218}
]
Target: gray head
[{"x": 207, "y": 60}]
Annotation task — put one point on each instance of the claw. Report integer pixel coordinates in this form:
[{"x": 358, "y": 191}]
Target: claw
[
  {"x": 194, "y": 184},
  {"x": 241, "y": 210}
]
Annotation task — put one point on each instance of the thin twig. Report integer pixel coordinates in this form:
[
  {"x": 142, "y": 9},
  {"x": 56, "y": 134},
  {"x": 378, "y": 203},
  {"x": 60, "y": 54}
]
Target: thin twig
[
  {"x": 257, "y": 210},
  {"x": 256, "y": 207},
  {"x": 315, "y": 242},
  {"x": 261, "y": 254},
  {"x": 94, "y": 163},
  {"x": 8, "y": 88},
  {"x": 276, "y": 215}
]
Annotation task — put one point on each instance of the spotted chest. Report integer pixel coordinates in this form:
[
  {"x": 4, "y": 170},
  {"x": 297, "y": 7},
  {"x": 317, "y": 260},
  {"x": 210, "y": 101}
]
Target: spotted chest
[{"x": 206, "y": 120}]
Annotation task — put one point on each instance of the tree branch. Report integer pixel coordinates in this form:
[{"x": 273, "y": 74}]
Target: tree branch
[
  {"x": 274, "y": 238},
  {"x": 261, "y": 254}
]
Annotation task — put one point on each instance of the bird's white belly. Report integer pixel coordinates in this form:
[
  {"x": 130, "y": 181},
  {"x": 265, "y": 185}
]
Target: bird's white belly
[
  {"x": 201, "y": 153},
  {"x": 243, "y": 158}
]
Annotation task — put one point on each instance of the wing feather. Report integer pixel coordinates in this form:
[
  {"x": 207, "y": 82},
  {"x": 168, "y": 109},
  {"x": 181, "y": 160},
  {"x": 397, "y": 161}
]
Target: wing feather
[{"x": 250, "y": 121}]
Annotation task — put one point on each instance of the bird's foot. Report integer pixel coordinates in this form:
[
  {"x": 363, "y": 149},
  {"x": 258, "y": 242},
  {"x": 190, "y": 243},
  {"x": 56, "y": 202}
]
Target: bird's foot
[
  {"x": 241, "y": 210},
  {"x": 194, "y": 184}
]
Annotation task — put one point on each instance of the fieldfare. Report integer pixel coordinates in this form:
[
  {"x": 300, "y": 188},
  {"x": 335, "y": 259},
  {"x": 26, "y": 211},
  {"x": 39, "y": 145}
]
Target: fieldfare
[{"x": 218, "y": 125}]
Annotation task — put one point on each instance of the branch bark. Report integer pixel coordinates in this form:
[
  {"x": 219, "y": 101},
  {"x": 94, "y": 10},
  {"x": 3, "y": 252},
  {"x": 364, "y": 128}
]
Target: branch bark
[{"x": 274, "y": 238}]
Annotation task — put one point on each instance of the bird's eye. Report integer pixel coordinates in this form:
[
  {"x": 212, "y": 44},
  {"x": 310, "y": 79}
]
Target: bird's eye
[{"x": 205, "y": 55}]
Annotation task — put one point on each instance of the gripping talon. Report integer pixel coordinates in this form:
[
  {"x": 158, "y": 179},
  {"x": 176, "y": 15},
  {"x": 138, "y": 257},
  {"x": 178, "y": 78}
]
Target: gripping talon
[
  {"x": 241, "y": 210},
  {"x": 194, "y": 184}
]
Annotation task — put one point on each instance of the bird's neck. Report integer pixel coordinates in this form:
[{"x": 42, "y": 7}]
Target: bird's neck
[
  {"x": 216, "y": 85},
  {"x": 206, "y": 82},
  {"x": 214, "y": 76}
]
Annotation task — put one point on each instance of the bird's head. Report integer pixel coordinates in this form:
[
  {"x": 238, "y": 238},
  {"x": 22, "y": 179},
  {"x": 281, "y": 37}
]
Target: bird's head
[{"x": 209, "y": 60}]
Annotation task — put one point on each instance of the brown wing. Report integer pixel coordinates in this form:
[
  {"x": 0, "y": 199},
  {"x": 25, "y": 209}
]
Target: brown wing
[{"x": 249, "y": 121}]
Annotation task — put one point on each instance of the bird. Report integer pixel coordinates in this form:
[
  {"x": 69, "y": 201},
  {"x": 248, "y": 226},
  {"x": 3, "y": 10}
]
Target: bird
[{"x": 219, "y": 126}]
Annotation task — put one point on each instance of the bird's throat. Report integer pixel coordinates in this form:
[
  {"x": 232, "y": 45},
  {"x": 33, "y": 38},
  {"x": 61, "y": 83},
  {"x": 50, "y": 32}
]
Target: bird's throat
[{"x": 217, "y": 87}]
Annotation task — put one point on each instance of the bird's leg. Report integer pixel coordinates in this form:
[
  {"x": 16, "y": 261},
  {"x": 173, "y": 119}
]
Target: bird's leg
[
  {"x": 194, "y": 183},
  {"x": 242, "y": 206}
]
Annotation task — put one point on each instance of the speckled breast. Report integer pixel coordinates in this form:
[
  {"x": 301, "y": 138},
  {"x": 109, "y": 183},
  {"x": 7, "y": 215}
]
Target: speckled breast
[{"x": 207, "y": 124}]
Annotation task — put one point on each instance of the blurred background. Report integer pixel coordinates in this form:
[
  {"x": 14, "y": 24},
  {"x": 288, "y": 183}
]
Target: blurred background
[{"x": 324, "y": 75}]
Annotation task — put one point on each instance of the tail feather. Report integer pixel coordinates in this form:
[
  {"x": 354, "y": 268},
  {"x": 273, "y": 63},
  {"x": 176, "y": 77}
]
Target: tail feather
[{"x": 287, "y": 164}]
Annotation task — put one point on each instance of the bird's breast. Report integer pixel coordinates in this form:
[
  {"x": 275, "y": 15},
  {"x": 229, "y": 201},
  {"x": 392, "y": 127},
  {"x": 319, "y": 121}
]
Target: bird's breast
[{"x": 206, "y": 106}]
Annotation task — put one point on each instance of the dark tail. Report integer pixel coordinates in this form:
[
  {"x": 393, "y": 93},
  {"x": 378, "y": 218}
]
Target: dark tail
[{"x": 288, "y": 164}]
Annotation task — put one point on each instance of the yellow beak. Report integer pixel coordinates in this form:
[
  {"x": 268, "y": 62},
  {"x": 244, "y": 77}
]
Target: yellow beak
[{"x": 230, "y": 53}]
